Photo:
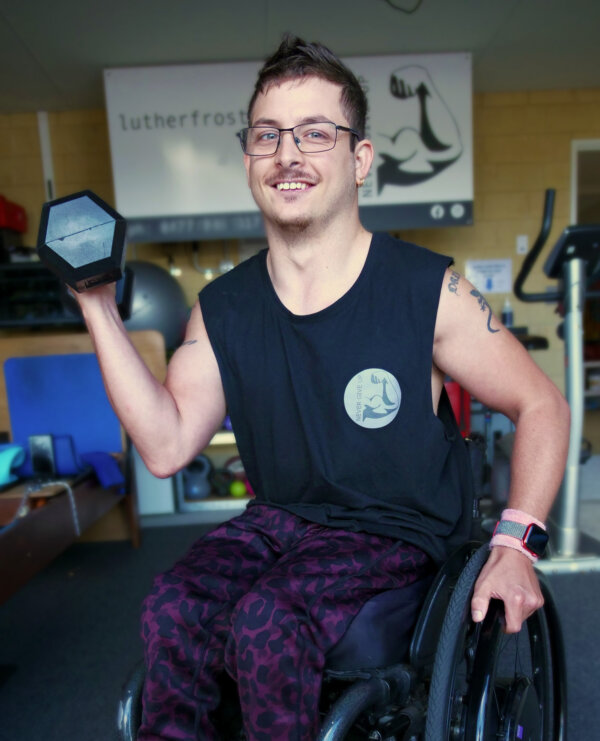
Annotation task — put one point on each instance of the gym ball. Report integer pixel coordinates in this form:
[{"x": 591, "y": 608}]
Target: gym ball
[{"x": 158, "y": 302}]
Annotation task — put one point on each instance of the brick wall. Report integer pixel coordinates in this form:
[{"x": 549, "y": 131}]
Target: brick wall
[
  {"x": 21, "y": 176},
  {"x": 81, "y": 153}
]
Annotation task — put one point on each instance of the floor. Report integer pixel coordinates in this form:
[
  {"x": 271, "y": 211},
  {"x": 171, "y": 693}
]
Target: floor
[{"x": 71, "y": 635}]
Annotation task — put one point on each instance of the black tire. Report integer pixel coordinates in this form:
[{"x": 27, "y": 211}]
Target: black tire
[
  {"x": 130, "y": 706},
  {"x": 228, "y": 719},
  {"x": 487, "y": 685}
]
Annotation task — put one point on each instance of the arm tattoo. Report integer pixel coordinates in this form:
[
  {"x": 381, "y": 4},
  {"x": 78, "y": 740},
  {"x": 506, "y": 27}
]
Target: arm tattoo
[
  {"x": 484, "y": 306},
  {"x": 454, "y": 279},
  {"x": 189, "y": 342}
]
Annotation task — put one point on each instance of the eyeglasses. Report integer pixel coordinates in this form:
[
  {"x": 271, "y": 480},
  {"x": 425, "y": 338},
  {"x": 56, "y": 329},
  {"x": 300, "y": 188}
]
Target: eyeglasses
[{"x": 320, "y": 136}]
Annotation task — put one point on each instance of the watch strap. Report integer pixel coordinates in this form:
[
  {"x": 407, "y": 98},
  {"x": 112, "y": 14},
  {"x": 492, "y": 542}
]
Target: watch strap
[
  {"x": 511, "y": 529},
  {"x": 517, "y": 515}
]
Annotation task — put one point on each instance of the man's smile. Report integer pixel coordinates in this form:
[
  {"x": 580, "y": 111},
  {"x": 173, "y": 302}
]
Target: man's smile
[
  {"x": 291, "y": 181},
  {"x": 292, "y": 185}
]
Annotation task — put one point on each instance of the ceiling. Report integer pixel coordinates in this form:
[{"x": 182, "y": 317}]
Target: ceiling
[{"x": 52, "y": 53}]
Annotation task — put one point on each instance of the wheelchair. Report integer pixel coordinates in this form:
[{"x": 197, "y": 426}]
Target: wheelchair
[{"x": 452, "y": 680}]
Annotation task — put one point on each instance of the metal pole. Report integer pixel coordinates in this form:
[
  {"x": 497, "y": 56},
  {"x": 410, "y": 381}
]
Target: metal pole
[{"x": 567, "y": 506}]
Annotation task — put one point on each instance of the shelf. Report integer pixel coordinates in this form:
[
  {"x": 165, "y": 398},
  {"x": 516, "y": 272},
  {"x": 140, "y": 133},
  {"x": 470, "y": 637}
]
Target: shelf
[
  {"x": 224, "y": 437},
  {"x": 215, "y": 502},
  {"x": 160, "y": 498},
  {"x": 209, "y": 511}
]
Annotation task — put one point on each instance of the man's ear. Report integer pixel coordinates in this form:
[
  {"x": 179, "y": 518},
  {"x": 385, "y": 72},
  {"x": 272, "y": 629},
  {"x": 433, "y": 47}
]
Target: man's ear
[{"x": 363, "y": 159}]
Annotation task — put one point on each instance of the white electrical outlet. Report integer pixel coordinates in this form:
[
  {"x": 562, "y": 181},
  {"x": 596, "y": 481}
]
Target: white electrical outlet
[{"x": 522, "y": 244}]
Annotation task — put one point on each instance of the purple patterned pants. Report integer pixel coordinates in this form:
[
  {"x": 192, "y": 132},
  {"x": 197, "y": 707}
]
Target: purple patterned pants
[{"x": 264, "y": 597}]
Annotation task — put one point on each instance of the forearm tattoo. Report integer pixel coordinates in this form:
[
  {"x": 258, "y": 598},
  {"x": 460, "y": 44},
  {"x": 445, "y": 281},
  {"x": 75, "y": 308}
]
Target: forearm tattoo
[
  {"x": 189, "y": 342},
  {"x": 484, "y": 306}
]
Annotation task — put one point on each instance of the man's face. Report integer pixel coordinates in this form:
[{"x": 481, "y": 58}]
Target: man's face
[{"x": 293, "y": 189}]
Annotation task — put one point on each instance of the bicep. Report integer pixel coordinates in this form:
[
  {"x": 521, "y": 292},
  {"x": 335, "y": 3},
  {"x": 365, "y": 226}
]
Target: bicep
[
  {"x": 194, "y": 381},
  {"x": 476, "y": 350}
]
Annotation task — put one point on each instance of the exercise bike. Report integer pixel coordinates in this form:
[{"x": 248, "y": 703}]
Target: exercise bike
[{"x": 575, "y": 263}]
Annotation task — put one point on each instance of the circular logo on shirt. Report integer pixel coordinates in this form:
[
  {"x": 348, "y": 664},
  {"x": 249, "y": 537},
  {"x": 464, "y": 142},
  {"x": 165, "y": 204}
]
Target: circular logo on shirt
[{"x": 372, "y": 398}]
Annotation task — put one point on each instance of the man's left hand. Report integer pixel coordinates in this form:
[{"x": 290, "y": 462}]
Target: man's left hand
[{"x": 508, "y": 575}]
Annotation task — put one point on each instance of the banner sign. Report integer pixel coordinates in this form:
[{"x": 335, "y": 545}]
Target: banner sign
[{"x": 177, "y": 164}]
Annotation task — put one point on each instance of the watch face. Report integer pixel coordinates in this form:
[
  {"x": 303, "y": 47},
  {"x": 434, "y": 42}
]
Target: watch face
[{"x": 535, "y": 539}]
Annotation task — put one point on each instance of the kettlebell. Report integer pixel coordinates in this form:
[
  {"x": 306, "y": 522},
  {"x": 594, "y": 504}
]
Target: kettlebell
[{"x": 196, "y": 478}]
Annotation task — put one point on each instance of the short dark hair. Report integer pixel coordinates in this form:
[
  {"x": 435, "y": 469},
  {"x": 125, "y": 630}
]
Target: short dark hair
[{"x": 296, "y": 58}]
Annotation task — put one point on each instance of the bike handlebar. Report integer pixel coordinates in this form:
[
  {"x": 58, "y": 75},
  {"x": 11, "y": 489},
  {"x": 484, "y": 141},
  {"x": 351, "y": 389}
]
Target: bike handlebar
[{"x": 533, "y": 254}]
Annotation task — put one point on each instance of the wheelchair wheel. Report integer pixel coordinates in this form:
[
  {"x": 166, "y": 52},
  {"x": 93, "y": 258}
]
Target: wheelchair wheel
[
  {"x": 228, "y": 719},
  {"x": 130, "y": 707},
  {"x": 489, "y": 685}
]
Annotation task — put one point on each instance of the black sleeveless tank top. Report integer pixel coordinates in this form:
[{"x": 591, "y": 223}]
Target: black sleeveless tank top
[{"x": 332, "y": 411}]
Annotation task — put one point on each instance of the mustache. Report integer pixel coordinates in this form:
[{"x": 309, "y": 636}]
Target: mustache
[{"x": 291, "y": 175}]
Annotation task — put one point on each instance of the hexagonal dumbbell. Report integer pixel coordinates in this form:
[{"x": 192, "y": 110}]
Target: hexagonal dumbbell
[{"x": 82, "y": 240}]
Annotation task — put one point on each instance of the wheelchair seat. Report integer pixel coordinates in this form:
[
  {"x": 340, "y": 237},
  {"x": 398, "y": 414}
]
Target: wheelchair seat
[
  {"x": 462, "y": 680},
  {"x": 381, "y": 632}
]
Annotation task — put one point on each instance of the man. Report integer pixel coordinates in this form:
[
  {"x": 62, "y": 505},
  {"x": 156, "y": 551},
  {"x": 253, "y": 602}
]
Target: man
[{"x": 329, "y": 351}]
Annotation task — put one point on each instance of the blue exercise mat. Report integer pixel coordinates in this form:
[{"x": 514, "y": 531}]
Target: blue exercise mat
[{"x": 62, "y": 396}]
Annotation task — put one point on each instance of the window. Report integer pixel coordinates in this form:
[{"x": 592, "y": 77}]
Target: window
[
  {"x": 585, "y": 209},
  {"x": 585, "y": 181}
]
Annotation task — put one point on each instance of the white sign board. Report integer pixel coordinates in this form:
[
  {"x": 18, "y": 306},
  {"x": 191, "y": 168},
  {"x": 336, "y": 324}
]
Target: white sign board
[
  {"x": 490, "y": 276},
  {"x": 177, "y": 164}
]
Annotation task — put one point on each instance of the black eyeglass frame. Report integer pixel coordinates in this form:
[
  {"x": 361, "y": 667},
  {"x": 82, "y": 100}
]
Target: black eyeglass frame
[{"x": 243, "y": 135}]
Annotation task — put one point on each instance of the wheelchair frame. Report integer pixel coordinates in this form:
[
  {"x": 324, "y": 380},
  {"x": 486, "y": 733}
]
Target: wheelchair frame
[{"x": 462, "y": 682}]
